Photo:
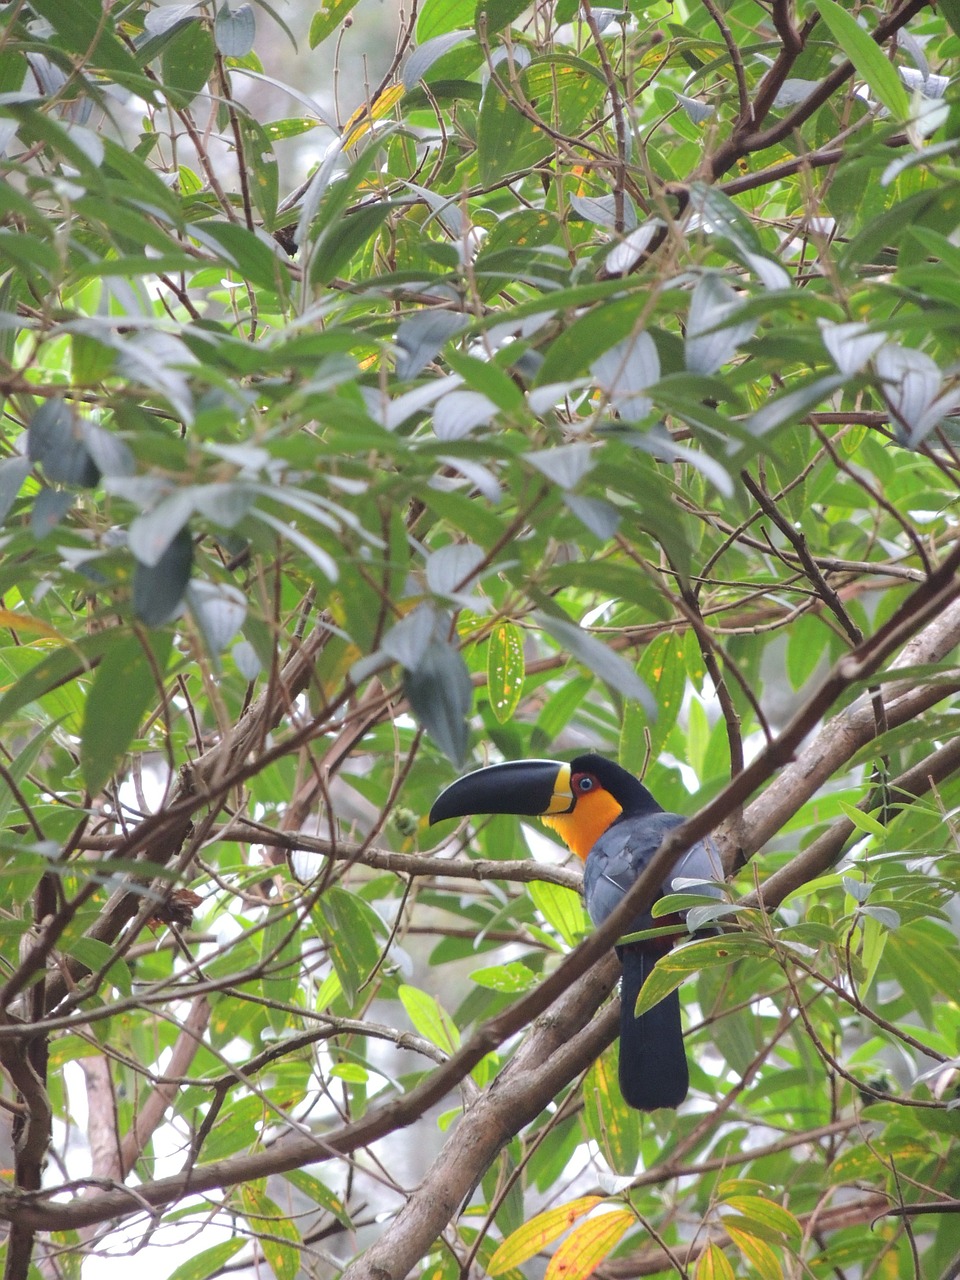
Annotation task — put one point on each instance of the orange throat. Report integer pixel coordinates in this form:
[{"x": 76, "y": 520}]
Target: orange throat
[{"x": 582, "y": 827}]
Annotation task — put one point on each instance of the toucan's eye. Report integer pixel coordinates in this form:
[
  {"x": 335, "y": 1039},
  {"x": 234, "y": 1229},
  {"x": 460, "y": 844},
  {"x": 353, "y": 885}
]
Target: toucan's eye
[{"x": 585, "y": 783}]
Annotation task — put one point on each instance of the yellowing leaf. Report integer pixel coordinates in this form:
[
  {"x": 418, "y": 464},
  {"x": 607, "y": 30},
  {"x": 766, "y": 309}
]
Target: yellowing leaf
[
  {"x": 23, "y": 622},
  {"x": 277, "y": 1235},
  {"x": 614, "y": 1127},
  {"x": 713, "y": 1264},
  {"x": 584, "y": 1249},
  {"x": 756, "y": 1251},
  {"x": 538, "y": 1233},
  {"x": 766, "y": 1214},
  {"x": 359, "y": 123}
]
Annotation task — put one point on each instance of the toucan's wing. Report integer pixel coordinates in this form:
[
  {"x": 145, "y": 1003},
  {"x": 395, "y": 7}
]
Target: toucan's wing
[
  {"x": 624, "y": 850},
  {"x": 618, "y": 858}
]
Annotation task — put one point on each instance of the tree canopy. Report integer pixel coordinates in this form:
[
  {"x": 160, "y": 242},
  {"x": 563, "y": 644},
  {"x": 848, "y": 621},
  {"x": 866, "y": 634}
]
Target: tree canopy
[{"x": 597, "y": 390}]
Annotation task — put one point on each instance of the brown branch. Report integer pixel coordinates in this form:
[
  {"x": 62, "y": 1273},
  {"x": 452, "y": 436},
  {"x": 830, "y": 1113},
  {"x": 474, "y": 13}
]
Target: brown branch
[
  {"x": 741, "y": 143},
  {"x": 151, "y": 1113},
  {"x": 933, "y": 610}
]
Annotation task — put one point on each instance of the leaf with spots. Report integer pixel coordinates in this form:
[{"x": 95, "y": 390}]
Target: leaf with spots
[{"x": 505, "y": 670}]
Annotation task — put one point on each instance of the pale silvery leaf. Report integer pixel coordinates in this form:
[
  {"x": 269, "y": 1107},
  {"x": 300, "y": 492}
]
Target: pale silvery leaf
[
  {"x": 158, "y": 361},
  {"x": 422, "y": 336},
  {"x": 625, "y": 371},
  {"x": 850, "y": 345},
  {"x": 910, "y": 382},
  {"x": 794, "y": 91},
  {"x": 770, "y": 274},
  {"x": 631, "y": 248},
  {"x": 542, "y": 399},
  {"x": 708, "y": 346},
  {"x": 599, "y": 516},
  {"x": 660, "y": 445},
  {"x": 422, "y": 59},
  {"x": 517, "y": 54},
  {"x": 218, "y": 610},
  {"x": 912, "y": 46},
  {"x": 451, "y": 569},
  {"x": 408, "y": 640},
  {"x": 482, "y": 479},
  {"x": 603, "y": 210},
  {"x": 603, "y": 662},
  {"x": 393, "y": 413},
  {"x": 696, "y": 110},
  {"x": 152, "y": 533},
  {"x": 793, "y": 404},
  {"x": 458, "y": 413},
  {"x": 566, "y": 465}
]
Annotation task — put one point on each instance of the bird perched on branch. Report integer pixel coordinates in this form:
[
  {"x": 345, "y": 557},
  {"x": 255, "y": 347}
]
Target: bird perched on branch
[{"x": 608, "y": 818}]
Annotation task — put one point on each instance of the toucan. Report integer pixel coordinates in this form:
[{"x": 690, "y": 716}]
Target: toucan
[{"x": 608, "y": 818}]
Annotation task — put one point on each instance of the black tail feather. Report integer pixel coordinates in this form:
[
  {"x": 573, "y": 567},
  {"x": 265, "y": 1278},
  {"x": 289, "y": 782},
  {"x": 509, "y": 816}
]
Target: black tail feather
[{"x": 653, "y": 1064}]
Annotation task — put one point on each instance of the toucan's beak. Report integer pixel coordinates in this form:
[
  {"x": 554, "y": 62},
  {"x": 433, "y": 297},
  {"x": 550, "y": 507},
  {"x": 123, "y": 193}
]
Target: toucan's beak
[{"x": 532, "y": 787}]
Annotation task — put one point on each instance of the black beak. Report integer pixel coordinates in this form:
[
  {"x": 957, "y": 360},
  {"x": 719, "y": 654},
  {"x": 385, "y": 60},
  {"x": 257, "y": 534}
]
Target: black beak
[{"x": 532, "y": 787}]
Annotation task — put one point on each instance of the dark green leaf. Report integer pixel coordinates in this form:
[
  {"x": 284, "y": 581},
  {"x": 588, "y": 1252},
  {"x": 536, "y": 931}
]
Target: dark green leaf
[
  {"x": 342, "y": 240},
  {"x": 441, "y": 695},
  {"x": 188, "y": 61},
  {"x": 493, "y": 15},
  {"x": 327, "y": 19},
  {"x": 158, "y": 589},
  {"x": 127, "y": 681},
  {"x": 55, "y": 440}
]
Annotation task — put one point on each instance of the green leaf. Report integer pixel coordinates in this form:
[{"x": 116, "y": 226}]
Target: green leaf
[
  {"x": 437, "y": 17},
  {"x": 673, "y": 968},
  {"x": 440, "y": 693},
  {"x": 261, "y": 166},
  {"x": 561, "y": 908},
  {"x": 94, "y": 955},
  {"x": 280, "y": 958},
  {"x": 511, "y": 978},
  {"x": 430, "y": 1018},
  {"x": 187, "y": 62},
  {"x": 127, "y": 682},
  {"x": 21, "y": 765},
  {"x": 507, "y": 142},
  {"x": 276, "y": 1232},
  {"x": 208, "y": 1262},
  {"x": 588, "y": 1244},
  {"x": 319, "y": 1193},
  {"x": 350, "y": 936},
  {"x": 867, "y": 57},
  {"x": 951, "y": 11},
  {"x": 341, "y": 241},
  {"x": 57, "y": 668},
  {"x": 82, "y": 26},
  {"x": 865, "y": 822},
  {"x": 158, "y": 589},
  {"x": 493, "y": 15},
  {"x": 327, "y": 19},
  {"x": 505, "y": 670},
  {"x": 662, "y": 670}
]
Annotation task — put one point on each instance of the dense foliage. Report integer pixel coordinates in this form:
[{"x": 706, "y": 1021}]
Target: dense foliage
[{"x": 596, "y": 390}]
